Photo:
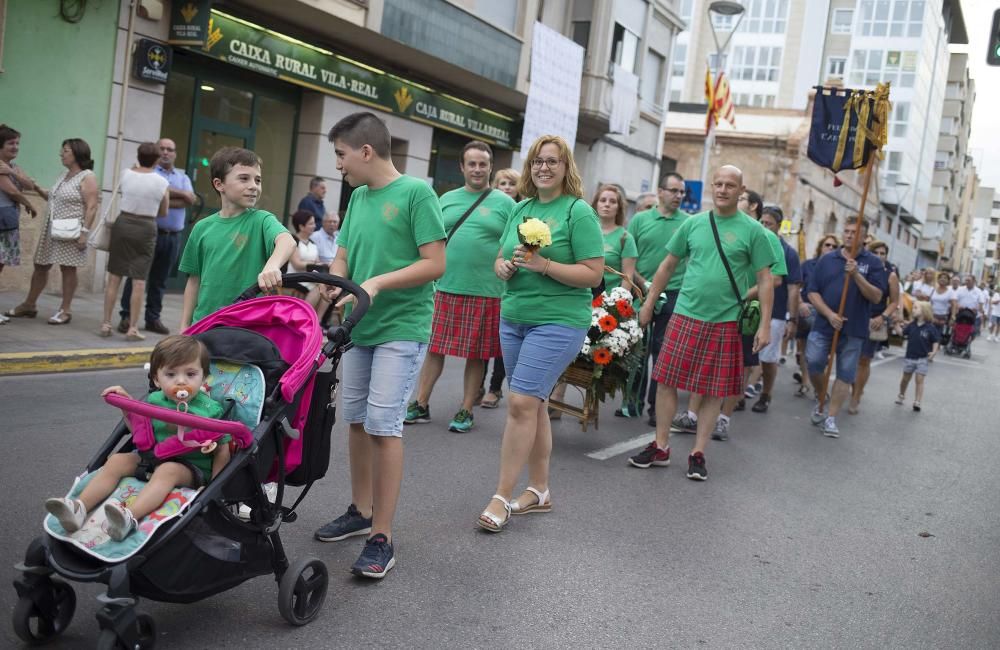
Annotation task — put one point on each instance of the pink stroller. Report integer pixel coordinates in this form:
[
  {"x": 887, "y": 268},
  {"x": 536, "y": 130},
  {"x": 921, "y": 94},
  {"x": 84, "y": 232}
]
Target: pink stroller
[{"x": 207, "y": 549}]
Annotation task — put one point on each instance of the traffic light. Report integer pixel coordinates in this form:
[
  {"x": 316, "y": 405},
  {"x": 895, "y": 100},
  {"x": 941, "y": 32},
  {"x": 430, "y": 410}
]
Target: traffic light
[{"x": 993, "y": 53}]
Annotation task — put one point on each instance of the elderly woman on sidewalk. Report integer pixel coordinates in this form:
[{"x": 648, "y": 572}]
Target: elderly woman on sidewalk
[
  {"x": 73, "y": 197},
  {"x": 12, "y": 182},
  {"x": 133, "y": 236}
]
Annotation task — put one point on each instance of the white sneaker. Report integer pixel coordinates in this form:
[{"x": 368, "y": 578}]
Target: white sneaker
[
  {"x": 121, "y": 522},
  {"x": 4, "y": 319},
  {"x": 69, "y": 512},
  {"x": 270, "y": 491},
  {"x": 880, "y": 355}
]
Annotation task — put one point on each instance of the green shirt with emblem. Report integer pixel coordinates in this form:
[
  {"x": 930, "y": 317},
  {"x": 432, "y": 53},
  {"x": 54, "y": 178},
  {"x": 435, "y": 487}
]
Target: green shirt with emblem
[
  {"x": 534, "y": 299},
  {"x": 382, "y": 232},
  {"x": 707, "y": 294},
  {"x": 202, "y": 405},
  {"x": 652, "y": 232},
  {"x": 227, "y": 254},
  {"x": 618, "y": 245},
  {"x": 473, "y": 248}
]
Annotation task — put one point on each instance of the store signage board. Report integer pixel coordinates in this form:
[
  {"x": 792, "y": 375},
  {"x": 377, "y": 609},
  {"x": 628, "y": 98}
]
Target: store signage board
[
  {"x": 151, "y": 61},
  {"x": 189, "y": 22},
  {"x": 252, "y": 47}
]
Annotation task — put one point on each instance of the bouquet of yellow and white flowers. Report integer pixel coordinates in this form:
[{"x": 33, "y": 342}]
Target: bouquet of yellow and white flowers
[{"x": 533, "y": 234}]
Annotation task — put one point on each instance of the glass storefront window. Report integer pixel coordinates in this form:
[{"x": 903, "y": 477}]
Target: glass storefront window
[
  {"x": 275, "y": 126},
  {"x": 219, "y": 102}
]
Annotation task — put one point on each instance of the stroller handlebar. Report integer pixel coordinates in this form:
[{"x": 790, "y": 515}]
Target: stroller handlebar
[{"x": 362, "y": 299}]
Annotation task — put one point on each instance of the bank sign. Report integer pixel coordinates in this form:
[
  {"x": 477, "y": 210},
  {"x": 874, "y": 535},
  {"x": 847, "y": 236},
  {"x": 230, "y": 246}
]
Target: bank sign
[{"x": 245, "y": 45}]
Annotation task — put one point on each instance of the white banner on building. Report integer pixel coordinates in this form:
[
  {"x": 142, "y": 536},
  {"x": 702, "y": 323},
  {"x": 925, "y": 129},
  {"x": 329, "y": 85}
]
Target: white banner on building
[
  {"x": 554, "y": 96},
  {"x": 624, "y": 97}
]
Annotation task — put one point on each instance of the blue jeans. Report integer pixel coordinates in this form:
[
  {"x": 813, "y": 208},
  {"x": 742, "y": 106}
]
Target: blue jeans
[
  {"x": 848, "y": 353},
  {"x": 164, "y": 258},
  {"x": 535, "y": 356},
  {"x": 377, "y": 383}
]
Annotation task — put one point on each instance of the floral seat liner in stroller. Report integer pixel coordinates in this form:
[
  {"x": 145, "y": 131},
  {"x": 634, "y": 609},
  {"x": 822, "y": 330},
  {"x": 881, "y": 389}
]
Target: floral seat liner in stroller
[{"x": 241, "y": 389}]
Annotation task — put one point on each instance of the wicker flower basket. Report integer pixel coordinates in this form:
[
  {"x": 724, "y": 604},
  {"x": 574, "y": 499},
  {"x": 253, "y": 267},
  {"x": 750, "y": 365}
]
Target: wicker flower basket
[{"x": 580, "y": 375}]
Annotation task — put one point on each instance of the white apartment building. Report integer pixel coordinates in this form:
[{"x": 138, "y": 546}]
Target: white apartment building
[{"x": 985, "y": 229}]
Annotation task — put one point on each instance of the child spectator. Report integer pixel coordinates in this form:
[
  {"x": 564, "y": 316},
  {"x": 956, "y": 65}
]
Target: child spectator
[
  {"x": 229, "y": 249},
  {"x": 391, "y": 240},
  {"x": 922, "y": 342},
  {"x": 178, "y": 368}
]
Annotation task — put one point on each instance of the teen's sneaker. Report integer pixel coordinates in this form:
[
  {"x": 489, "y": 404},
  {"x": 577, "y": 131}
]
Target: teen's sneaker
[
  {"x": 416, "y": 414},
  {"x": 751, "y": 391},
  {"x": 651, "y": 455},
  {"x": 69, "y": 512},
  {"x": 120, "y": 520},
  {"x": 461, "y": 423},
  {"x": 797, "y": 376},
  {"x": 759, "y": 387},
  {"x": 696, "y": 467},
  {"x": 830, "y": 429},
  {"x": 721, "y": 431},
  {"x": 817, "y": 417},
  {"x": 270, "y": 491},
  {"x": 349, "y": 524},
  {"x": 762, "y": 403},
  {"x": 684, "y": 424},
  {"x": 377, "y": 558}
]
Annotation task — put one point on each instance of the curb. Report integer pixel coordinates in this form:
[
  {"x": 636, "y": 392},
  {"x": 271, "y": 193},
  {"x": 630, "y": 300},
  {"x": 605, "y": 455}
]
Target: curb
[{"x": 28, "y": 363}]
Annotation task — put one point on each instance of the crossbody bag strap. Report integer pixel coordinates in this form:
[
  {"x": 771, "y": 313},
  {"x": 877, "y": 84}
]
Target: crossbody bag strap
[
  {"x": 725, "y": 262},
  {"x": 458, "y": 224}
]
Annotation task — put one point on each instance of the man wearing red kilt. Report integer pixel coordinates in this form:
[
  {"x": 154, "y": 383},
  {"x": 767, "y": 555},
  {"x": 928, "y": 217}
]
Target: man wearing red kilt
[
  {"x": 467, "y": 303},
  {"x": 702, "y": 352}
]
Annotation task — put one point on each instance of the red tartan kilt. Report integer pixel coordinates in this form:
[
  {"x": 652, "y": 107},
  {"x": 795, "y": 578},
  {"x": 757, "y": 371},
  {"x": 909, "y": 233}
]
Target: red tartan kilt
[
  {"x": 465, "y": 326},
  {"x": 703, "y": 358}
]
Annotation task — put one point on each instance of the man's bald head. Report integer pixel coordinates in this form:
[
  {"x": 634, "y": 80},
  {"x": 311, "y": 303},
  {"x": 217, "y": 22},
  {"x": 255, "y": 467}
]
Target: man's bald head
[
  {"x": 727, "y": 185},
  {"x": 731, "y": 170}
]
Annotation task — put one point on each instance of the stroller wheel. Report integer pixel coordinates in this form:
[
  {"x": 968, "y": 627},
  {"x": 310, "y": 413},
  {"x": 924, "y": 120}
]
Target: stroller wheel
[
  {"x": 40, "y": 621},
  {"x": 146, "y": 639},
  {"x": 303, "y": 590}
]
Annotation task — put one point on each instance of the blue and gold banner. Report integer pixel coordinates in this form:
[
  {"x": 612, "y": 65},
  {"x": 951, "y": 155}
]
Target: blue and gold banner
[{"x": 847, "y": 126}]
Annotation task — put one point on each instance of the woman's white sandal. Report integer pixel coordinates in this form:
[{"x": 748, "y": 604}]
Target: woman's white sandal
[
  {"x": 544, "y": 503},
  {"x": 491, "y": 522}
]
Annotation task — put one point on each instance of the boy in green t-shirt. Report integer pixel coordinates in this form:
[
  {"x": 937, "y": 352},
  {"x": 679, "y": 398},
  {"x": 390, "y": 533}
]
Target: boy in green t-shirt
[
  {"x": 230, "y": 249},
  {"x": 391, "y": 241}
]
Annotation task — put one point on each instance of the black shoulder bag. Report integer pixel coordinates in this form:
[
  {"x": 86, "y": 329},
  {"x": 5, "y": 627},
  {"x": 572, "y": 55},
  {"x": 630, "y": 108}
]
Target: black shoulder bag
[
  {"x": 749, "y": 319},
  {"x": 458, "y": 224}
]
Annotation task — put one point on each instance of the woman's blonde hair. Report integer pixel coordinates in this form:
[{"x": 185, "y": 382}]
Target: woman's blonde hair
[
  {"x": 924, "y": 308},
  {"x": 620, "y": 215},
  {"x": 507, "y": 173},
  {"x": 572, "y": 183},
  {"x": 819, "y": 244}
]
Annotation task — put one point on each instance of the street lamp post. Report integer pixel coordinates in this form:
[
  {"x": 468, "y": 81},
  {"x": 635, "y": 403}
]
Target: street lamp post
[{"x": 722, "y": 8}]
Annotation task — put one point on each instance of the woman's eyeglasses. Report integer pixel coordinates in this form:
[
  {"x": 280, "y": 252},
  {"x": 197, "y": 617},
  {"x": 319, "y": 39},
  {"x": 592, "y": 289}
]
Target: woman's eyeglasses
[{"x": 551, "y": 163}]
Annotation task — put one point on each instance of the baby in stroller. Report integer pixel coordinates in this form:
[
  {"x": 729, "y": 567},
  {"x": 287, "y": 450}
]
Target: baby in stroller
[{"x": 178, "y": 368}]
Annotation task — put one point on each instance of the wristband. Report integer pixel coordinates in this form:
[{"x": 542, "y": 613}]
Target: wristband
[{"x": 545, "y": 269}]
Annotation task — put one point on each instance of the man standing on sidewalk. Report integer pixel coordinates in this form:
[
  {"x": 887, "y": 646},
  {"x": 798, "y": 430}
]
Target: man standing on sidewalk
[
  {"x": 467, "y": 302},
  {"x": 826, "y": 285},
  {"x": 701, "y": 351},
  {"x": 313, "y": 201},
  {"x": 652, "y": 230},
  {"x": 168, "y": 242}
]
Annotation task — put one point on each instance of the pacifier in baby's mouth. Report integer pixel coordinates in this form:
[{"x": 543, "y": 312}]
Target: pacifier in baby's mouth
[{"x": 181, "y": 395}]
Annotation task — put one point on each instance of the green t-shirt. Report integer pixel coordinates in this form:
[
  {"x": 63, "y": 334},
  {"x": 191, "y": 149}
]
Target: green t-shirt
[
  {"x": 473, "y": 249},
  {"x": 779, "y": 266},
  {"x": 227, "y": 254},
  {"x": 535, "y": 299},
  {"x": 618, "y": 244},
  {"x": 707, "y": 294},
  {"x": 652, "y": 232},
  {"x": 202, "y": 405},
  {"x": 382, "y": 232}
]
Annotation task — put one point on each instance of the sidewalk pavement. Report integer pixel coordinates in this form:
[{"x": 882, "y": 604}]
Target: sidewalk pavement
[{"x": 31, "y": 345}]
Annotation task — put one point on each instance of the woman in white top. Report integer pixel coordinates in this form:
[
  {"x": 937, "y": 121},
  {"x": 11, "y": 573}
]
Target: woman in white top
[
  {"x": 133, "y": 235},
  {"x": 305, "y": 255},
  {"x": 943, "y": 301}
]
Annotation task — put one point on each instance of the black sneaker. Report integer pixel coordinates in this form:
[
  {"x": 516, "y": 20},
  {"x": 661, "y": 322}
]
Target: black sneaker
[
  {"x": 377, "y": 558},
  {"x": 741, "y": 405},
  {"x": 797, "y": 376},
  {"x": 349, "y": 524},
  {"x": 696, "y": 467},
  {"x": 651, "y": 455},
  {"x": 762, "y": 404},
  {"x": 123, "y": 326}
]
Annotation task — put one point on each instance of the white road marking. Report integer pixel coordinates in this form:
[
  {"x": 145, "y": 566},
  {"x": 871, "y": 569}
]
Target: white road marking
[{"x": 622, "y": 447}]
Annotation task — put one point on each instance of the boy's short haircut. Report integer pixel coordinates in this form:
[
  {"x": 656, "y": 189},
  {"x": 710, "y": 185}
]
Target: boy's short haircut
[
  {"x": 228, "y": 157},
  {"x": 178, "y": 349},
  {"x": 478, "y": 145},
  {"x": 147, "y": 154},
  {"x": 358, "y": 129}
]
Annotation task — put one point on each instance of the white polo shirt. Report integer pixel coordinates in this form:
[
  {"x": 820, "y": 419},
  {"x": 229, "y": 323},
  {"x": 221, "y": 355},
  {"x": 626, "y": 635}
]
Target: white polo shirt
[{"x": 969, "y": 298}]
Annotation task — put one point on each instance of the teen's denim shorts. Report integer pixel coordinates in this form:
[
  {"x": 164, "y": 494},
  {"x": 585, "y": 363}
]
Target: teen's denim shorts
[
  {"x": 377, "y": 382},
  {"x": 536, "y": 355}
]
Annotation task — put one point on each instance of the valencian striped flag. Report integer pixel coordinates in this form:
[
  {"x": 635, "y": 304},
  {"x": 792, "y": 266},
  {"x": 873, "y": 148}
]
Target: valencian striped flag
[
  {"x": 847, "y": 126},
  {"x": 719, "y": 99}
]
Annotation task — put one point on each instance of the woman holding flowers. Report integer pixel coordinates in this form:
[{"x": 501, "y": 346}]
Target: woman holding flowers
[{"x": 551, "y": 253}]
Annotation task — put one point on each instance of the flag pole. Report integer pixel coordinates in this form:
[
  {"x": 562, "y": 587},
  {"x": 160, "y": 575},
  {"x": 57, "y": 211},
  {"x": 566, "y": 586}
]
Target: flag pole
[{"x": 869, "y": 168}]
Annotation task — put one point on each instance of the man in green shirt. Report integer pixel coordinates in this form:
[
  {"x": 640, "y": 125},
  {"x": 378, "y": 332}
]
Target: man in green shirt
[
  {"x": 467, "y": 302},
  {"x": 702, "y": 352},
  {"x": 652, "y": 230},
  {"x": 392, "y": 243}
]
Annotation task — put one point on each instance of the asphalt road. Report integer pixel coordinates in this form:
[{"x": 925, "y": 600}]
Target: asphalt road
[{"x": 796, "y": 540}]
